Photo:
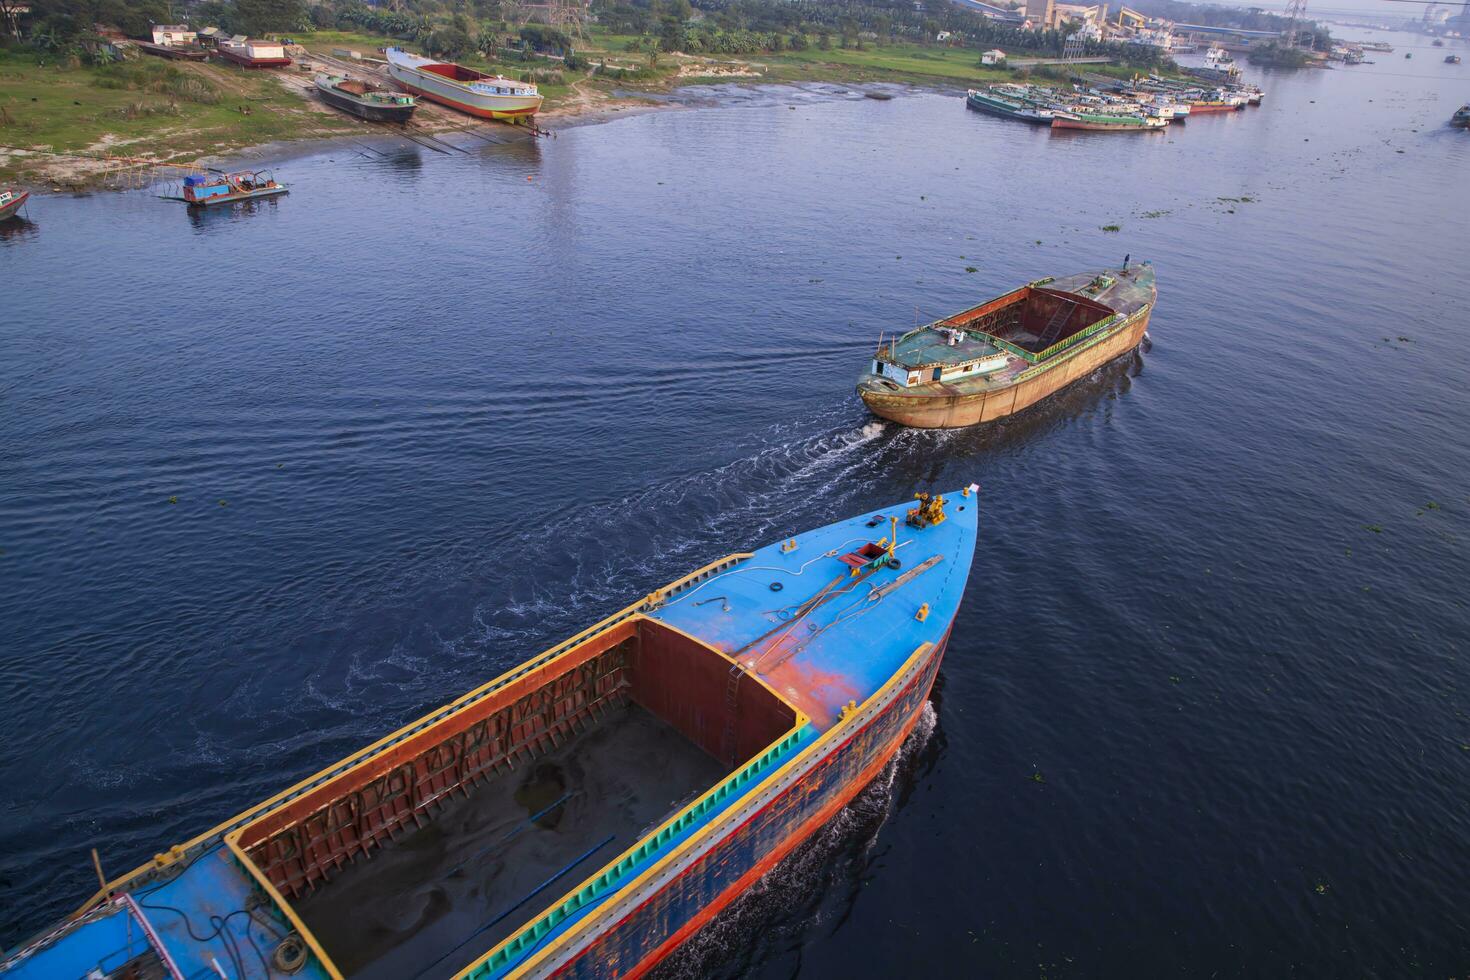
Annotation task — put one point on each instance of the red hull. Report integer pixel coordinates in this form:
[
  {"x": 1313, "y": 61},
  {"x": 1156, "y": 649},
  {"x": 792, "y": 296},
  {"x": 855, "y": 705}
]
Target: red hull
[
  {"x": 462, "y": 107},
  {"x": 10, "y": 210}
]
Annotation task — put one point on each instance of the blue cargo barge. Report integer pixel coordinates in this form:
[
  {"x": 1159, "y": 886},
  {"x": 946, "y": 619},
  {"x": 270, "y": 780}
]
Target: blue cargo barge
[{"x": 586, "y": 812}]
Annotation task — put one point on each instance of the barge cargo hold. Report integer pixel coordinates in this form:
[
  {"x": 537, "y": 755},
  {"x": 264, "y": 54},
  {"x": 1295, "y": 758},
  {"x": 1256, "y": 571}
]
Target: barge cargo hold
[
  {"x": 588, "y": 811},
  {"x": 365, "y": 100},
  {"x": 474, "y": 92},
  {"x": 1006, "y": 354}
]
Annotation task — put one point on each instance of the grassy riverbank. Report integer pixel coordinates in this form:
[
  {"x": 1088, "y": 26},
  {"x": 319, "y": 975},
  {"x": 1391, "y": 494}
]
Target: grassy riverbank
[
  {"x": 143, "y": 108},
  {"x": 179, "y": 111}
]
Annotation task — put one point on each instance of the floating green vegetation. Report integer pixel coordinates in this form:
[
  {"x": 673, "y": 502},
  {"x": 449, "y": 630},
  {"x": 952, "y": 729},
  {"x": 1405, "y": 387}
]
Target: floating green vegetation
[
  {"x": 1321, "y": 888},
  {"x": 971, "y": 268},
  {"x": 224, "y": 503},
  {"x": 174, "y": 499},
  {"x": 1174, "y": 678},
  {"x": 1375, "y": 528},
  {"x": 1155, "y": 214},
  {"x": 1108, "y": 228},
  {"x": 1037, "y": 777},
  {"x": 1237, "y": 200}
]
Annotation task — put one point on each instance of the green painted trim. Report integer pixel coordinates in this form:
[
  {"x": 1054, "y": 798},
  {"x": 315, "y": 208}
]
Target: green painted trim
[{"x": 612, "y": 879}]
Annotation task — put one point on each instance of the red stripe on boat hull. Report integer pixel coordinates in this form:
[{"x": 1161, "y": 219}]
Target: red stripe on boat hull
[
  {"x": 802, "y": 833},
  {"x": 463, "y": 107}
]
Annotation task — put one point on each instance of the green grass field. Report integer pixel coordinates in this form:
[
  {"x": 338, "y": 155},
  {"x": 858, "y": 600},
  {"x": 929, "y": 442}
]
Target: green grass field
[{"x": 146, "y": 108}]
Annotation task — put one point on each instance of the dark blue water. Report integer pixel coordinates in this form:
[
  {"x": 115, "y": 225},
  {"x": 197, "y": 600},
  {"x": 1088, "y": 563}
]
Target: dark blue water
[{"x": 1205, "y": 710}]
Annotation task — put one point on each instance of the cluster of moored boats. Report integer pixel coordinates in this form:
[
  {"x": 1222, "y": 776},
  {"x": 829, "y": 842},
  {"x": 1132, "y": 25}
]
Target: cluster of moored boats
[{"x": 1137, "y": 107}]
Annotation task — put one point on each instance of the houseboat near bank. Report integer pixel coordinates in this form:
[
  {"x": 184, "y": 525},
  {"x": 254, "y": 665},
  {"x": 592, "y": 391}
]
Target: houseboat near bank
[
  {"x": 474, "y": 92},
  {"x": 207, "y": 191},
  {"x": 586, "y": 812},
  {"x": 1010, "y": 352}
]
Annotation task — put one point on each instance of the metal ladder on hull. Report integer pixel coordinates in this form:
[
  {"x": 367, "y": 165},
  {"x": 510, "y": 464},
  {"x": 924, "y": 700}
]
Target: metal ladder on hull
[{"x": 1054, "y": 325}]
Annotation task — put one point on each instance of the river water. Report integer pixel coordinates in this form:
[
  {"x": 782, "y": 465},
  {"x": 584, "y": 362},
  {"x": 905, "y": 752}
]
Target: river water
[{"x": 1206, "y": 710}]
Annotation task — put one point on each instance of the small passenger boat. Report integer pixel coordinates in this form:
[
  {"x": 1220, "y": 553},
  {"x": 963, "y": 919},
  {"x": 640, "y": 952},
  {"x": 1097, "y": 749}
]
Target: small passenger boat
[
  {"x": 11, "y": 198},
  {"x": 1461, "y": 118},
  {"x": 242, "y": 185},
  {"x": 1010, "y": 352},
  {"x": 1452, "y": 59},
  {"x": 474, "y": 92},
  {"x": 586, "y": 812},
  {"x": 364, "y": 99}
]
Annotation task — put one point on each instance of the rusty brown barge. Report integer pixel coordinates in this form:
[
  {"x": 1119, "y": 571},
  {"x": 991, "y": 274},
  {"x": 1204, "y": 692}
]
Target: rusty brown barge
[{"x": 1010, "y": 352}]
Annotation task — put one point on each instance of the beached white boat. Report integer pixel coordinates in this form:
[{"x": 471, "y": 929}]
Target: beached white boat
[{"x": 474, "y": 92}]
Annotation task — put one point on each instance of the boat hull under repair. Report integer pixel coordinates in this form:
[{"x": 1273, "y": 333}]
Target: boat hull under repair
[
  {"x": 463, "y": 88},
  {"x": 743, "y": 731},
  {"x": 944, "y": 405}
]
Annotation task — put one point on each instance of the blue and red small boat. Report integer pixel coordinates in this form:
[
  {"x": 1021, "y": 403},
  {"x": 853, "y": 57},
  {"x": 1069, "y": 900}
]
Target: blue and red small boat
[
  {"x": 588, "y": 811},
  {"x": 207, "y": 191},
  {"x": 11, "y": 199}
]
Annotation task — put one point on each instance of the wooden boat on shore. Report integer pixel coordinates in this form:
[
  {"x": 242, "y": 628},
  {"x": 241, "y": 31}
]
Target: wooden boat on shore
[
  {"x": 1108, "y": 122},
  {"x": 11, "y": 199},
  {"x": 586, "y": 812},
  {"x": 173, "y": 51},
  {"x": 365, "y": 100},
  {"x": 474, "y": 92},
  {"x": 243, "y": 185},
  {"x": 998, "y": 105},
  {"x": 1010, "y": 352},
  {"x": 249, "y": 52}
]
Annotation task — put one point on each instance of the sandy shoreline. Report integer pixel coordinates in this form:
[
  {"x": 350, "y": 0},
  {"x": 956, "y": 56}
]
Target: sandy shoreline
[{"x": 443, "y": 129}]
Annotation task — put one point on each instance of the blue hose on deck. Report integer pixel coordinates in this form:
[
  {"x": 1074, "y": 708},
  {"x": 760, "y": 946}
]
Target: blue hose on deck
[{"x": 519, "y": 827}]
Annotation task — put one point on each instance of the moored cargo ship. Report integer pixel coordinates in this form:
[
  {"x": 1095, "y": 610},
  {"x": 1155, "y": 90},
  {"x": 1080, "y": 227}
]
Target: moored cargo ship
[
  {"x": 1007, "y": 108},
  {"x": 1108, "y": 122},
  {"x": 474, "y": 92},
  {"x": 365, "y": 100},
  {"x": 1006, "y": 354},
  {"x": 584, "y": 813}
]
